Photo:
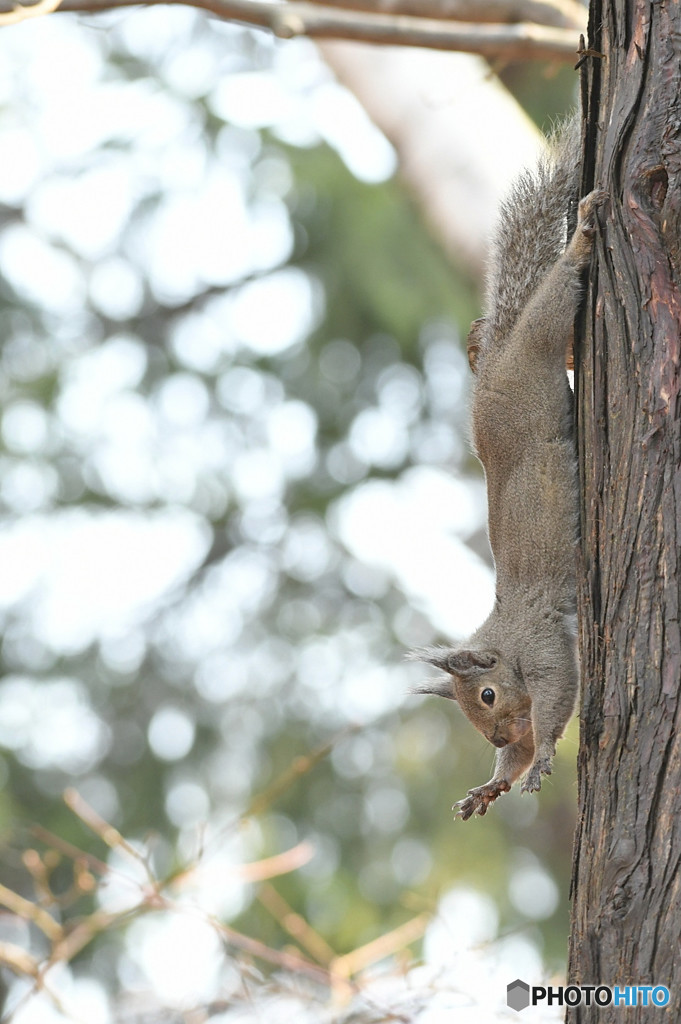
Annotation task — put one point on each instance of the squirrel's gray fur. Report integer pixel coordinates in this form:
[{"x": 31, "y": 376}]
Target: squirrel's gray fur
[{"x": 523, "y": 660}]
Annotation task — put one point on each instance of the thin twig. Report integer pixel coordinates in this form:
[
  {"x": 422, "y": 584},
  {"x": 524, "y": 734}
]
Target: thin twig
[
  {"x": 82, "y": 934},
  {"x": 296, "y": 925},
  {"x": 279, "y": 958},
  {"x": 378, "y": 949},
  {"x": 106, "y": 832},
  {"x": 18, "y": 960},
  {"x": 298, "y": 767},
  {"x": 71, "y": 851},
  {"x": 252, "y": 871},
  {"x": 30, "y": 912},
  {"x": 278, "y": 864}
]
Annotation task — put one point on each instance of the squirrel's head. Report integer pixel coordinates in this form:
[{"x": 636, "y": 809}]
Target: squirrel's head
[{"x": 490, "y": 691}]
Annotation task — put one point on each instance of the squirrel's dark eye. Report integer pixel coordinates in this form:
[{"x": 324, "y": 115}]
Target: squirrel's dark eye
[{"x": 488, "y": 696}]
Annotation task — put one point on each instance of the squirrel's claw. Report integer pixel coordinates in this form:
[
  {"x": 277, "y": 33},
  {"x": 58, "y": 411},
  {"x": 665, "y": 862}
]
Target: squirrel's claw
[
  {"x": 587, "y": 210},
  {"x": 478, "y": 800},
  {"x": 582, "y": 240},
  {"x": 532, "y": 781}
]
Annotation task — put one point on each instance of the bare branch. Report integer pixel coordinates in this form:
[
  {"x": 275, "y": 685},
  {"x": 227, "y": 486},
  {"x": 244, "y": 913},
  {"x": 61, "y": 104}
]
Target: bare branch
[
  {"x": 21, "y": 13},
  {"x": 520, "y": 41},
  {"x": 558, "y": 13}
]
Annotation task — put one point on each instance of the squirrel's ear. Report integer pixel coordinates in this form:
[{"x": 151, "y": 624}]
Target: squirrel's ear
[
  {"x": 470, "y": 663},
  {"x": 438, "y": 656},
  {"x": 474, "y": 338},
  {"x": 459, "y": 663},
  {"x": 434, "y": 656}
]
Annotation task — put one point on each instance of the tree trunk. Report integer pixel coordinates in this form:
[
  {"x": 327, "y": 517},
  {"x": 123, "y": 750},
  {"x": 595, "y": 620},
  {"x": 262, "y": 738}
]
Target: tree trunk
[{"x": 626, "y": 921}]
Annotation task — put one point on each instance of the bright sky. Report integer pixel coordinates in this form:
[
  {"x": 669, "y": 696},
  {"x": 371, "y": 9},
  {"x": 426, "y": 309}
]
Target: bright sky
[
  {"x": 124, "y": 562},
  {"x": 86, "y": 577}
]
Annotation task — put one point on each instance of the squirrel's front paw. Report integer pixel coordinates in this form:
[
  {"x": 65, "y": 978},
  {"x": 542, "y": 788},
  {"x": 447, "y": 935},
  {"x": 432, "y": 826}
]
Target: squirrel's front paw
[
  {"x": 532, "y": 781},
  {"x": 478, "y": 800}
]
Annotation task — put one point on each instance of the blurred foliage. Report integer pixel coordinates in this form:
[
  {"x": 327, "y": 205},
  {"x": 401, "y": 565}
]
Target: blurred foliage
[
  {"x": 139, "y": 399},
  {"x": 557, "y": 95}
]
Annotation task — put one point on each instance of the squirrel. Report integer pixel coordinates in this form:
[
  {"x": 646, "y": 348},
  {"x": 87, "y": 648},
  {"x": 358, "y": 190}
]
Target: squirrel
[{"x": 516, "y": 677}]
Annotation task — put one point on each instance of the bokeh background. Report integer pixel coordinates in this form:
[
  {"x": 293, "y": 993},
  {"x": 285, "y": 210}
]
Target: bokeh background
[{"x": 236, "y": 487}]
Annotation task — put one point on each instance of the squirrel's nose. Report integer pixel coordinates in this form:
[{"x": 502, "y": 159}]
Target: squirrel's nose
[{"x": 499, "y": 742}]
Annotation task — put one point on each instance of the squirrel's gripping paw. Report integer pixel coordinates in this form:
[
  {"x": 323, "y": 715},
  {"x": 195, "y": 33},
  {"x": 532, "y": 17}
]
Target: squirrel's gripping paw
[
  {"x": 582, "y": 240},
  {"x": 586, "y": 218},
  {"x": 478, "y": 800},
  {"x": 532, "y": 781}
]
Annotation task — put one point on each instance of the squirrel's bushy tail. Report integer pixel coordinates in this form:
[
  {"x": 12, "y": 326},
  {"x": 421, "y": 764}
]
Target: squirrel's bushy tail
[{"x": 531, "y": 232}]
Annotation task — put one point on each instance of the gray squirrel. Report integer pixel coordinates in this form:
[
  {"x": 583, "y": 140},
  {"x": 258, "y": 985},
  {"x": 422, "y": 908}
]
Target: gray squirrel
[{"x": 516, "y": 677}]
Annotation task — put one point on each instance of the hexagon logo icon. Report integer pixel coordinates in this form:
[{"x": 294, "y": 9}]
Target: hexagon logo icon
[{"x": 518, "y": 995}]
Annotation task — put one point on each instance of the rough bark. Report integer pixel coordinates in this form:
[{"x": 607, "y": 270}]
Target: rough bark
[{"x": 627, "y": 880}]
